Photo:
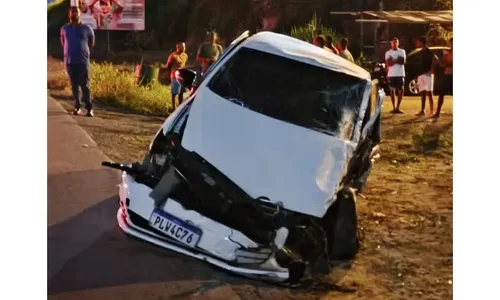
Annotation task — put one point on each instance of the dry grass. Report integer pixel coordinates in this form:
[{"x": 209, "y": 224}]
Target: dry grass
[{"x": 406, "y": 214}]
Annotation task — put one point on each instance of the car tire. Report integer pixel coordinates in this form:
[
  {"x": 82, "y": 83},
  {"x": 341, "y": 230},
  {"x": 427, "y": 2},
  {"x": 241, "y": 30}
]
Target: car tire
[
  {"x": 345, "y": 242},
  {"x": 412, "y": 88}
]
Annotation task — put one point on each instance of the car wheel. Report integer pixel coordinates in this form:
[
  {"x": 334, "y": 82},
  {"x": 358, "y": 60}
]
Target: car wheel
[
  {"x": 345, "y": 243},
  {"x": 413, "y": 87}
]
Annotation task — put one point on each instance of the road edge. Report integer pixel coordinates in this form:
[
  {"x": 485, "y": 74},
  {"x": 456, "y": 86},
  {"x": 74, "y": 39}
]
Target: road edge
[{"x": 87, "y": 135}]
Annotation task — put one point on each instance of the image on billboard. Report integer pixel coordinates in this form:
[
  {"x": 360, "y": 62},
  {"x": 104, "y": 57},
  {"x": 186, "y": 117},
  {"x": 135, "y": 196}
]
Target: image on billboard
[{"x": 112, "y": 14}]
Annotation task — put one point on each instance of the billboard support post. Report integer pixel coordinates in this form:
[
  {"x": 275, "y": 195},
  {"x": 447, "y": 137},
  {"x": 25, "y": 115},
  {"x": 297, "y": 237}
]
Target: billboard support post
[{"x": 107, "y": 39}]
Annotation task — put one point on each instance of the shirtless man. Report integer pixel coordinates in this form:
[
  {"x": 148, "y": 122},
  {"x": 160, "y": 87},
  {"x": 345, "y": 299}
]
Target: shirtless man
[
  {"x": 176, "y": 60},
  {"x": 445, "y": 86}
]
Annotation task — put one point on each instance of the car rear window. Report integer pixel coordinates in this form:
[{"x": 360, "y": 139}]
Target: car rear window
[{"x": 291, "y": 91}]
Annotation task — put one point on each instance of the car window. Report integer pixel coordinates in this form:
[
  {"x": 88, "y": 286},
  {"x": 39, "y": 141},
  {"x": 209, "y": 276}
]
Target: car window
[{"x": 291, "y": 91}]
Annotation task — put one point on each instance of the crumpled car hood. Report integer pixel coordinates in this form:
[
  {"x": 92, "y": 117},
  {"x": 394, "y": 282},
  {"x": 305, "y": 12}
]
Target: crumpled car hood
[{"x": 299, "y": 167}]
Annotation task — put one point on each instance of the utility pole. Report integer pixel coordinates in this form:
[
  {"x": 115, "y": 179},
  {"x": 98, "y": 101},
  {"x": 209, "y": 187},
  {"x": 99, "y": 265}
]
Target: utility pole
[{"x": 378, "y": 34}]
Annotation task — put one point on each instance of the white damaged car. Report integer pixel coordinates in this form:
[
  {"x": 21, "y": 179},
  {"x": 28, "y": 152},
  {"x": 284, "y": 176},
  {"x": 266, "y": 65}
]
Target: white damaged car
[{"x": 257, "y": 171}]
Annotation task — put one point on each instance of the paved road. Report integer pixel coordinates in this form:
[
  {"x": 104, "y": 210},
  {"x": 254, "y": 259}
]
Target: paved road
[{"x": 89, "y": 257}]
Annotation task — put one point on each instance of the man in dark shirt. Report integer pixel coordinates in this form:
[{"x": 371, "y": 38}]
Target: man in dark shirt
[
  {"x": 444, "y": 80},
  {"x": 425, "y": 79},
  {"x": 77, "y": 39}
]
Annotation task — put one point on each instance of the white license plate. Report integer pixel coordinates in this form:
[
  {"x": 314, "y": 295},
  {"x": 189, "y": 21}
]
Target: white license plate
[
  {"x": 175, "y": 228},
  {"x": 377, "y": 69}
]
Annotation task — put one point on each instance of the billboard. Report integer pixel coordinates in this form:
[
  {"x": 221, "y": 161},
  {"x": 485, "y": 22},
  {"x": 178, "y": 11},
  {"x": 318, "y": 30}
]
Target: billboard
[{"x": 112, "y": 14}]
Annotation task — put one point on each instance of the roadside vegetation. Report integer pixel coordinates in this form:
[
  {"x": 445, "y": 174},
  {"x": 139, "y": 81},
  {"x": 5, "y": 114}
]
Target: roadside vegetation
[{"x": 114, "y": 85}]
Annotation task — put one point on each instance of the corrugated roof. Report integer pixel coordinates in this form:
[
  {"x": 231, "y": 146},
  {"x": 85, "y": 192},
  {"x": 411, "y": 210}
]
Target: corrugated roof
[
  {"x": 407, "y": 16},
  {"x": 441, "y": 16}
]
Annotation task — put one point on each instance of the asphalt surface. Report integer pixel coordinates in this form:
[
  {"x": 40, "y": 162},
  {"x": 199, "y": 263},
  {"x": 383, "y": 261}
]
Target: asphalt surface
[{"x": 90, "y": 258}]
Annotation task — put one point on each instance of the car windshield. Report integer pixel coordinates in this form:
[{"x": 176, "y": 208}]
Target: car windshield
[{"x": 291, "y": 91}]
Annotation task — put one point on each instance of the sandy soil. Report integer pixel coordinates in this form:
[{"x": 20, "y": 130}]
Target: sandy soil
[{"x": 405, "y": 214}]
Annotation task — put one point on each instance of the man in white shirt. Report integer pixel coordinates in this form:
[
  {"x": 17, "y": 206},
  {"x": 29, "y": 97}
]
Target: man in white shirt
[{"x": 395, "y": 59}]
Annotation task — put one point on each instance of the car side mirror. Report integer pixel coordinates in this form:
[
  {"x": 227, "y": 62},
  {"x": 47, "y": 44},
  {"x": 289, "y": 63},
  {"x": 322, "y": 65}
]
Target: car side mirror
[{"x": 187, "y": 77}]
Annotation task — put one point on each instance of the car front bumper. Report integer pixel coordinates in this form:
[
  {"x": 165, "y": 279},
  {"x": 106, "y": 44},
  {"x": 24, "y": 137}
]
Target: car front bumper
[{"x": 268, "y": 271}]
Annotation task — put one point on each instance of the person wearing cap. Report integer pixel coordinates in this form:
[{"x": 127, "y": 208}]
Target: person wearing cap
[
  {"x": 76, "y": 40},
  {"x": 395, "y": 59}
]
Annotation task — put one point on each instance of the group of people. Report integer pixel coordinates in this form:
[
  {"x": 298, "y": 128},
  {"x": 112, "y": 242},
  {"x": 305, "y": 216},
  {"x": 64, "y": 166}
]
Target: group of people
[
  {"x": 434, "y": 76},
  {"x": 77, "y": 39},
  {"x": 327, "y": 44},
  {"x": 207, "y": 54}
]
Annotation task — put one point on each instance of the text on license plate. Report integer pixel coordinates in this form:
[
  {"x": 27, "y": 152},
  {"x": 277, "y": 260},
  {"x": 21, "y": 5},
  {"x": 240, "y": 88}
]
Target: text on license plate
[
  {"x": 377, "y": 69},
  {"x": 175, "y": 228}
]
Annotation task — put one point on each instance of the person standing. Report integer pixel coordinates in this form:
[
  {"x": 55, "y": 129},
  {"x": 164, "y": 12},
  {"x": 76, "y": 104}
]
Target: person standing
[
  {"x": 209, "y": 52},
  {"x": 395, "y": 59},
  {"x": 343, "y": 51},
  {"x": 425, "y": 79},
  {"x": 176, "y": 60},
  {"x": 76, "y": 40},
  {"x": 269, "y": 20},
  {"x": 445, "y": 84},
  {"x": 329, "y": 44},
  {"x": 320, "y": 42}
]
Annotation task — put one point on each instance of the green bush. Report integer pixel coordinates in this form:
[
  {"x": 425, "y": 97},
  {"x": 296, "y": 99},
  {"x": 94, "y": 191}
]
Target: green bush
[
  {"x": 116, "y": 86},
  {"x": 309, "y": 30},
  {"x": 437, "y": 35}
]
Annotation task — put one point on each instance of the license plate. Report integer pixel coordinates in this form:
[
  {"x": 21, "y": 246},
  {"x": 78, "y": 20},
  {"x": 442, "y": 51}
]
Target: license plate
[
  {"x": 175, "y": 228},
  {"x": 377, "y": 69}
]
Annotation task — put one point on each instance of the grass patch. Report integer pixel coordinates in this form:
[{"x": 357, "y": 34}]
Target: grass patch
[{"x": 115, "y": 86}]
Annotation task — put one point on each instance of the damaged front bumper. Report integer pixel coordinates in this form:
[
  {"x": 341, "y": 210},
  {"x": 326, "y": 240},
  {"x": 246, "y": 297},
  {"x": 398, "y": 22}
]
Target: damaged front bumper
[{"x": 219, "y": 245}]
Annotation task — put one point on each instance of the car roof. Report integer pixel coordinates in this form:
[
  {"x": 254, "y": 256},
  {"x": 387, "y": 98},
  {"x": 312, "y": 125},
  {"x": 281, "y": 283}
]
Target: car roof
[
  {"x": 292, "y": 48},
  {"x": 431, "y": 48}
]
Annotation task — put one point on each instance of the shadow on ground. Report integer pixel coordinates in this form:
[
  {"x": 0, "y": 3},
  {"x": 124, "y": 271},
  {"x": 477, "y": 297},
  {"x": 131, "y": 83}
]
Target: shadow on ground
[{"x": 429, "y": 139}]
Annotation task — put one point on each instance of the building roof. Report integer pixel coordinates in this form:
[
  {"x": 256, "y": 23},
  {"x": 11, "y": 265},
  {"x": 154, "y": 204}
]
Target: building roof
[
  {"x": 401, "y": 16},
  {"x": 289, "y": 47}
]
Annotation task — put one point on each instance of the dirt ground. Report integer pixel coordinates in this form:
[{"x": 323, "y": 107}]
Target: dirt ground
[{"x": 406, "y": 212}]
